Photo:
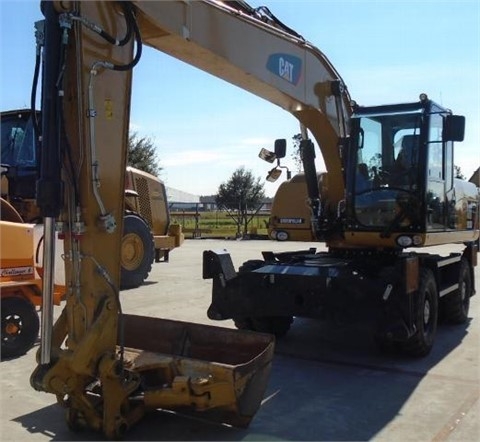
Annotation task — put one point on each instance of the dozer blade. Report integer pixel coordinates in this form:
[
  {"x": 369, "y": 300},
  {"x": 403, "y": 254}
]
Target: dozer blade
[{"x": 190, "y": 367}]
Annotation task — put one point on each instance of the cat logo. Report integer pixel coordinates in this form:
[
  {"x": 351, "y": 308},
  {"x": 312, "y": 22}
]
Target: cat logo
[{"x": 285, "y": 66}]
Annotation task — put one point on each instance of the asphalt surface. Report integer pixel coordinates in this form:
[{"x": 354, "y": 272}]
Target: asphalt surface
[{"x": 327, "y": 382}]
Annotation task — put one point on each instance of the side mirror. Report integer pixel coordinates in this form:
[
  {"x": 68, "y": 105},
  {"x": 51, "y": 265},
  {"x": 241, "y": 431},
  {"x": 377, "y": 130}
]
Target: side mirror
[
  {"x": 280, "y": 148},
  {"x": 454, "y": 128},
  {"x": 273, "y": 175},
  {"x": 268, "y": 156}
]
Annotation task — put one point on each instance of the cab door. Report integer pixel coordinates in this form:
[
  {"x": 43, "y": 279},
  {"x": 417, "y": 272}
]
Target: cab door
[{"x": 435, "y": 197}]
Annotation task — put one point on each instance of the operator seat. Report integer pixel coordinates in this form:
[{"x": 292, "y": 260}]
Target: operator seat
[
  {"x": 406, "y": 161},
  {"x": 408, "y": 150},
  {"x": 362, "y": 182}
]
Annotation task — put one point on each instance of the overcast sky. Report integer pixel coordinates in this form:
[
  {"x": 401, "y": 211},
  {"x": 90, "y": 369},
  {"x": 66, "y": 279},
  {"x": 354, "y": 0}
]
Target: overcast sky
[{"x": 204, "y": 129}]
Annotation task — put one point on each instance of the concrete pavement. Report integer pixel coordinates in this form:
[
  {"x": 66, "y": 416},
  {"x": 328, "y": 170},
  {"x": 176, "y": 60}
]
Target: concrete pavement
[{"x": 327, "y": 383}]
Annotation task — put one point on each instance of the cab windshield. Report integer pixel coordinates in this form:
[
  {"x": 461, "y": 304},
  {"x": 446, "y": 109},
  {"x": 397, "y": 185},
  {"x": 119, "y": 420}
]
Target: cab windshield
[
  {"x": 386, "y": 176},
  {"x": 18, "y": 146}
]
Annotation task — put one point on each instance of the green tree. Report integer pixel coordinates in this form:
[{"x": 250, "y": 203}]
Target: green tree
[
  {"x": 142, "y": 154},
  {"x": 241, "y": 196}
]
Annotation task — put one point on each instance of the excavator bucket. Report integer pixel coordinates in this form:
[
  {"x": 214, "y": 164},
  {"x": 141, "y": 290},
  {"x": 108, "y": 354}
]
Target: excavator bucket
[{"x": 192, "y": 368}]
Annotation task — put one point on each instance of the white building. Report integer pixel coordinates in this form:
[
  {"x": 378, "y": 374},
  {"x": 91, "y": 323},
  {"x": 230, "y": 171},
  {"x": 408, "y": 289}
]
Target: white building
[{"x": 178, "y": 196}]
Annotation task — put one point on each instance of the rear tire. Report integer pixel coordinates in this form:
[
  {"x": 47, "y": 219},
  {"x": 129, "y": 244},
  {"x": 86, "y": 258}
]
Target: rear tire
[
  {"x": 457, "y": 304},
  {"x": 275, "y": 325},
  {"x": 249, "y": 266},
  {"x": 137, "y": 252},
  {"x": 20, "y": 325},
  {"x": 425, "y": 317}
]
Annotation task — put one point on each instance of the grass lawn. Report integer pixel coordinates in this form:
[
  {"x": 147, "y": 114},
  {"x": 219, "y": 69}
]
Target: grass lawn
[{"x": 216, "y": 224}]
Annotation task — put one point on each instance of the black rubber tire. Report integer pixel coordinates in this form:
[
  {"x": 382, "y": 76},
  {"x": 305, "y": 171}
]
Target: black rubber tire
[
  {"x": 243, "y": 323},
  {"x": 457, "y": 304},
  {"x": 425, "y": 317},
  {"x": 275, "y": 325},
  {"x": 385, "y": 346},
  {"x": 137, "y": 252},
  {"x": 251, "y": 265},
  {"x": 20, "y": 325}
]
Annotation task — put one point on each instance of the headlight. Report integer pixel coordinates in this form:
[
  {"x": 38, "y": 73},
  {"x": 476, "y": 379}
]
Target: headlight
[
  {"x": 404, "y": 241},
  {"x": 417, "y": 240},
  {"x": 282, "y": 235}
]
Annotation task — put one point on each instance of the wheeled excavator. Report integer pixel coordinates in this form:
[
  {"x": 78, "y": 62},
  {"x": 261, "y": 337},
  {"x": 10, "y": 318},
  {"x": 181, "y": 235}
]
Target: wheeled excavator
[
  {"x": 389, "y": 190},
  {"x": 107, "y": 367}
]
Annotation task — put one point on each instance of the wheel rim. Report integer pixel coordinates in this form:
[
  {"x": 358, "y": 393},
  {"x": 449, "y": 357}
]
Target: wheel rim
[
  {"x": 12, "y": 327},
  {"x": 426, "y": 314},
  {"x": 132, "y": 251}
]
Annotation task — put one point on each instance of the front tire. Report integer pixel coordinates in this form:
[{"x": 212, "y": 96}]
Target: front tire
[
  {"x": 137, "y": 252},
  {"x": 457, "y": 304},
  {"x": 425, "y": 317},
  {"x": 20, "y": 325},
  {"x": 275, "y": 325}
]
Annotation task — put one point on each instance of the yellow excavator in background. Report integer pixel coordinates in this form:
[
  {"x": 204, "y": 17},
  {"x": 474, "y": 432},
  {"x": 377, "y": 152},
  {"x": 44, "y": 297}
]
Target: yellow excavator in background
[
  {"x": 291, "y": 221},
  {"x": 108, "y": 367},
  {"x": 148, "y": 233}
]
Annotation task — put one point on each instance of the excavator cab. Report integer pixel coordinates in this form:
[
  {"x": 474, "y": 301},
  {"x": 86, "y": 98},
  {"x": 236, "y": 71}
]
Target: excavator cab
[
  {"x": 400, "y": 172},
  {"x": 19, "y": 162}
]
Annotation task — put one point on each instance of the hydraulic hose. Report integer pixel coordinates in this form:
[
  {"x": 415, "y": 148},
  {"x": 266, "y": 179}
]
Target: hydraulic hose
[
  {"x": 131, "y": 27},
  {"x": 33, "y": 98},
  {"x": 127, "y": 10},
  {"x": 131, "y": 21},
  {"x": 107, "y": 219}
]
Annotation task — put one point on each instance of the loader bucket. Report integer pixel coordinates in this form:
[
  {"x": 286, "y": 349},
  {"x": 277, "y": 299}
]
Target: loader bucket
[{"x": 192, "y": 368}]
